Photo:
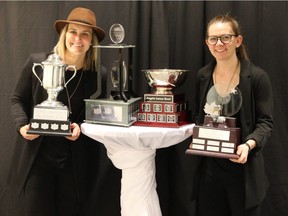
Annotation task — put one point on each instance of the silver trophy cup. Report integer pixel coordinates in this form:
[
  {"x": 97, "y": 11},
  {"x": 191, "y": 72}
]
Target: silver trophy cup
[
  {"x": 51, "y": 116},
  {"x": 163, "y": 107},
  {"x": 164, "y": 81},
  {"x": 53, "y": 78}
]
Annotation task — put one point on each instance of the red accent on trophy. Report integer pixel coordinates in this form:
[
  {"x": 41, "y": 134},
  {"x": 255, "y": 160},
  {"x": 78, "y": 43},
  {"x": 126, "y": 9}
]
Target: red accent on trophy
[{"x": 163, "y": 108}]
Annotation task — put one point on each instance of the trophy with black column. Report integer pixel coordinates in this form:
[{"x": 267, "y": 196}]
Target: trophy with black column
[
  {"x": 51, "y": 116},
  {"x": 219, "y": 136},
  {"x": 121, "y": 107}
]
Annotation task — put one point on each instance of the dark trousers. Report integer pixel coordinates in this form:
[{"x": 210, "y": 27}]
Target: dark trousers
[
  {"x": 50, "y": 191},
  {"x": 222, "y": 195}
]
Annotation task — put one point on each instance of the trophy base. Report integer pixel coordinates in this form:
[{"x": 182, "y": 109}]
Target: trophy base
[
  {"x": 112, "y": 112},
  {"x": 49, "y": 127},
  {"x": 215, "y": 140},
  {"x": 163, "y": 110},
  {"x": 159, "y": 124},
  {"x": 164, "y": 98},
  {"x": 52, "y": 113},
  {"x": 211, "y": 154},
  {"x": 162, "y": 119}
]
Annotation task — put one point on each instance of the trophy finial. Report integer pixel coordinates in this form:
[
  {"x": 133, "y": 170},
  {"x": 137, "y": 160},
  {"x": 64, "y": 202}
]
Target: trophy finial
[{"x": 117, "y": 33}]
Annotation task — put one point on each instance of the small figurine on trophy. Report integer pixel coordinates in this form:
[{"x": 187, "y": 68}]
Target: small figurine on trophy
[
  {"x": 163, "y": 107},
  {"x": 51, "y": 116},
  {"x": 219, "y": 136}
]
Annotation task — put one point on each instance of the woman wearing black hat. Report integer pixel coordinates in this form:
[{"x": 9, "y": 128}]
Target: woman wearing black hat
[{"x": 48, "y": 173}]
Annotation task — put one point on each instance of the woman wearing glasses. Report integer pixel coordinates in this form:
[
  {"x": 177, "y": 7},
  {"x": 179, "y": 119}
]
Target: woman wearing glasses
[{"x": 234, "y": 187}]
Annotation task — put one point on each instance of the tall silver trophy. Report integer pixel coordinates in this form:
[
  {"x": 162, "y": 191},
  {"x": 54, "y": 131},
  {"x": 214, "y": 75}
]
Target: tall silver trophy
[
  {"x": 122, "y": 105},
  {"x": 119, "y": 72},
  {"x": 51, "y": 116}
]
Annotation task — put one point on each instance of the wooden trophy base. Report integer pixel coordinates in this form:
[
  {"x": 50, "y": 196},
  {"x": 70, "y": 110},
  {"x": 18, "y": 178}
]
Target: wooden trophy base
[
  {"x": 211, "y": 154},
  {"x": 163, "y": 110},
  {"x": 159, "y": 124},
  {"x": 215, "y": 139},
  {"x": 50, "y": 121},
  {"x": 49, "y": 127}
]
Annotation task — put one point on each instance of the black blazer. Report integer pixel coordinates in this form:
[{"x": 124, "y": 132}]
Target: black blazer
[
  {"x": 256, "y": 122},
  {"x": 28, "y": 93}
]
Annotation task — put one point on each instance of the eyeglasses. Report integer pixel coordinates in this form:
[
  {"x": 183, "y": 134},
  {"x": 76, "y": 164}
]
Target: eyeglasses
[{"x": 225, "y": 39}]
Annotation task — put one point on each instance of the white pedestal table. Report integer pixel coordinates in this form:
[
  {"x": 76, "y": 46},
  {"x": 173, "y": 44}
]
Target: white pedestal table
[{"x": 132, "y": 149}]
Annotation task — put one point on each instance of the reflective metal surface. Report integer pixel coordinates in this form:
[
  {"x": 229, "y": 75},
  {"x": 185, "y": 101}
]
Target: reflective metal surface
[
  {"x": 164, "y": 81},
  {"x": 53, "y": 80}
]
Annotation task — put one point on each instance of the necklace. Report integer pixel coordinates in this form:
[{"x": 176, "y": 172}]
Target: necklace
[
  {"x": 231, "y": 79},
  {"x": 69, "y": 97}
]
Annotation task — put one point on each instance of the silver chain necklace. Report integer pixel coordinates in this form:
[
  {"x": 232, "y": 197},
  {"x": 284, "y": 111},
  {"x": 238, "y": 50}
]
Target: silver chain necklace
[
  {"x": 230, "y": 79},
  {"x": 69, "y": 97}
]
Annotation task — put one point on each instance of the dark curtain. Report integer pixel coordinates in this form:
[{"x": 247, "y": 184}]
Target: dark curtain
[{"x": 167, "y": 34}]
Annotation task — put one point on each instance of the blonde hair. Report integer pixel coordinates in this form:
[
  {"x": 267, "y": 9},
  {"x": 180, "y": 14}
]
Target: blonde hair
[{"x": 91, "y": 55}]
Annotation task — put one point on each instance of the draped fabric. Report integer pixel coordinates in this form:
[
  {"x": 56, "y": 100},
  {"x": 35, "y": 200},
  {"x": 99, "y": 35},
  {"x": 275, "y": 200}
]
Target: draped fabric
[
  {"x": 167, "y": 34},
  {"x": 133, "y": 151}
]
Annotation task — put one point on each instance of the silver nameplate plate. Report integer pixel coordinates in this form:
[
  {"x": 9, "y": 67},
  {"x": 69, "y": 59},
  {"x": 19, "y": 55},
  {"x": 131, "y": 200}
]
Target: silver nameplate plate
[{"x": 50, "y": 113}]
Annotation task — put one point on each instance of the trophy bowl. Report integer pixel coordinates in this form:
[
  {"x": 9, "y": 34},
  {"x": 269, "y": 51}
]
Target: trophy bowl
[{"x": 164, "y": 81}]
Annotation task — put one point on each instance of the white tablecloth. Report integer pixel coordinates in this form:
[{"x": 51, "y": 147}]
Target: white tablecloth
[{"x": 132, "y": 149}]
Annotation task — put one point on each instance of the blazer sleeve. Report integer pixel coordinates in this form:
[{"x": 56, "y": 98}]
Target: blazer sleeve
[
  {"x": 22, "y": 99},
  {"x": 262, "y": 95}
]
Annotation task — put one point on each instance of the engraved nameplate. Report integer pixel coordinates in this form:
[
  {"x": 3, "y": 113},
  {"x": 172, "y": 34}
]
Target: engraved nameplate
[
  {"x": 50, "y": 113},
  {"x": 214, "y": 134}
]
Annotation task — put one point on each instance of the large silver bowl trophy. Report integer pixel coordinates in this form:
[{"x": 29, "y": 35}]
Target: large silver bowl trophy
[
  {"x": 219, "y": 136},
  {"x": 51, "y": 116},
  {"x": 164, "y": 81},
  {"x": 163, "y": 107},
  {"x": 122, "y": 106}
]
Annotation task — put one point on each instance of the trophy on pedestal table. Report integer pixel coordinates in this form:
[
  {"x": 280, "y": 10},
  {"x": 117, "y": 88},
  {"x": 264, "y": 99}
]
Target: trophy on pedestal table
[
  {"x": 219, "y": 136},
  {"x": 51, "y": 116},
  {"x": 163, "y": 107},
  {"x": 122, "y": 106}
]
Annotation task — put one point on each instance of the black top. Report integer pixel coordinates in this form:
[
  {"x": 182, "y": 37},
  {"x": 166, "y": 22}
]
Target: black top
[
  {"x": 255, "y": 120},
  {"x": 56, "y": 150},
  {"x": 29, "y": 93},
  {"x": 222, "y": 166}
]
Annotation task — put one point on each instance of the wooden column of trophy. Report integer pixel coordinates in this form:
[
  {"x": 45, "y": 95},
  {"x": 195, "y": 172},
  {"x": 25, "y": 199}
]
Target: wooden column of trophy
[
  {"x": 163, "y": 108},
  {"x": 219, "y": 136}
]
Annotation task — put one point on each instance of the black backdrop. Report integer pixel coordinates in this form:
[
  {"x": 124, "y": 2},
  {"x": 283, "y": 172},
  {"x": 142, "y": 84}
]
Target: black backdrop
[{"x": 167, "y": 34}]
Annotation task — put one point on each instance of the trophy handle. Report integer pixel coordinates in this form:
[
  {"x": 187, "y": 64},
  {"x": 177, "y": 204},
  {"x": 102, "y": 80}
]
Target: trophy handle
[
  {"x": 75, "y": 71},
  {"x": 124, "y": 73},
  {"x": 34, "y": 72}
]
